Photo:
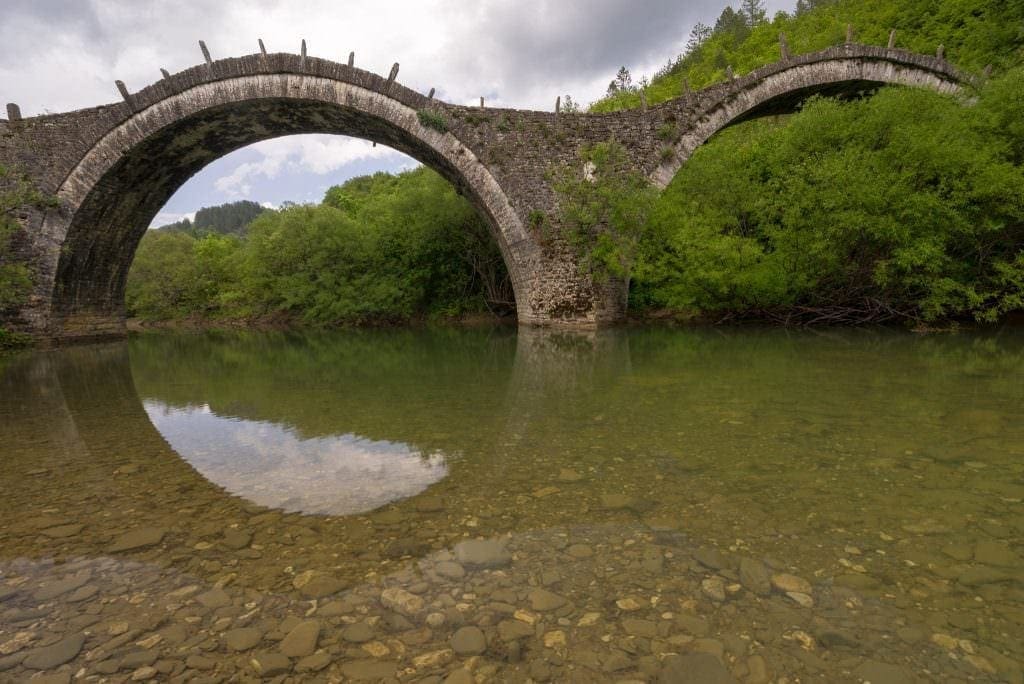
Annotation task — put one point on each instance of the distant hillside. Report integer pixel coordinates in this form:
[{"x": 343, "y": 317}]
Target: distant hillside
[
  {"x": 226, "y": 219},
  {"x": 975, "y": 33}
]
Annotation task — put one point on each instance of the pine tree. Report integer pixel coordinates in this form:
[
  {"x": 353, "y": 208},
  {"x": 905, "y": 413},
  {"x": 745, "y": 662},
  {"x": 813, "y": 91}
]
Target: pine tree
[
  {"x": 624, "y": 80},
  {"x": 700, "y": 33},
  {"x": 754, "y": 12},
  {"x": 732, "y": 22}
]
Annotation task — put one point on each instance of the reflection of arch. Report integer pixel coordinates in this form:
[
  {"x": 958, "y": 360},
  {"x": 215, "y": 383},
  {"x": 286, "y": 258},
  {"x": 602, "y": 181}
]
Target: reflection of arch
[
  {"x": 186, "y": 121},
  {"x": 779, "y": 88}
]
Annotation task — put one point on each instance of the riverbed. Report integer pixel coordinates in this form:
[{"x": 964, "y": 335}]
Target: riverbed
[{"x": 752, "y": 505}]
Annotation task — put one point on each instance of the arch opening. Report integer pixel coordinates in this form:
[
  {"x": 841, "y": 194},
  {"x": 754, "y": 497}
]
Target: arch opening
[
  {"x": 138, "y": 167},
  {"x": 781, "y": 89}
]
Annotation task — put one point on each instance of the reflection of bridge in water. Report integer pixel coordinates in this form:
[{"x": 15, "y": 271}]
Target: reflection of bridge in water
[{"x": 77, "y": 421}]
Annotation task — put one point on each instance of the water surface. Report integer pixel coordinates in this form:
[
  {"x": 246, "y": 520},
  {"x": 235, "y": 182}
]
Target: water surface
[{"x": 838, "y": 506}]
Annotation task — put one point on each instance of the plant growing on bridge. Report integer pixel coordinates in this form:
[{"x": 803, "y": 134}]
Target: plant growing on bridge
[
  {"x": 603, "y": 210},
  {"x": 432, "y": 120},
  {"x": 17, "y": 197}
]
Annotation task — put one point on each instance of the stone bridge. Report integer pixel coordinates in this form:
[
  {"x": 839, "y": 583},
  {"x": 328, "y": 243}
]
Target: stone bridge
[{"x": 113, "y": 167}]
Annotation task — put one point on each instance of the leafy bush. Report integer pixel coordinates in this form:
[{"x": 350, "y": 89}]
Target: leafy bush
[
  {"x": 380, "y": 248},
  {"x": 907, "y": 205}
]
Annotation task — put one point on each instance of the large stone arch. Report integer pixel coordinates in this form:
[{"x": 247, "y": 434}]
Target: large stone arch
[
  {"x": 112, "y": 193},
  {"x": 779, "y": 88}
]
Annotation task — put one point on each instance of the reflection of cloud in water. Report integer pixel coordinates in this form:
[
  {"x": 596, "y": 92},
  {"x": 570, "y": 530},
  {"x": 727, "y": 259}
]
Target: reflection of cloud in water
[{"x": 271, "y": 466}]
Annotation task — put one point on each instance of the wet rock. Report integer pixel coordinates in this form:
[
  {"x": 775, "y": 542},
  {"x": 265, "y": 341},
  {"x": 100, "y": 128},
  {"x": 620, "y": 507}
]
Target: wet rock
[
  {"x": 882, "y": 673},
  {"x": 483, "y": 553},
  {"x": 754, "y": 576},
  {"x": 580, "y": 551},
  {"x": 82, "y": 594},
  {"x": 144, "y": 674},
  {"x": 996, "y": 553},
  {"x": 358, "y": 633},
  {"x": 402, "y": 602},
  {"x": 400, "y": 548},
  {"x": 242, "y": 639},
  {"x": 201, "y": 663},
  {"x": 786, "y": 583},
  {"x": 711, "y": 557},
  {"x": 271, "y": 664},
  {"x": 213, "y": 599},
  {"x": 236, "y": 539},
  {"x": 49, "y": 657},
  {"x": 544, "y": 600},
  {"x": 316, "y": 585},
  {"x": 451, "y": 570},
  {"x": 694, "y": 668},
  {"x": 641, "y": 628},
  {"x": 692, "y": 624},
  {"x": 833, "y": 638},
  {"x": 510, "y": 630},
  {"x": 569, "y": 475},
  {"x": 301, "y": 640},
  {"x": 713, "y": 588},
  {"x": 63, "y": 531},
  {"x": 802, "y": 600},
  {"x": 617, "y": 502},
  {"x": 52, "y": 590},
  {"x": 11, "y": 661},
  {"x": 653, "y": 561},
  {"x": 436, "y": 620},
  {"x": 710, "y": 646},
  {"x": 368, "y": 670},
  {"x": 432, "y": 659},
  {"x": 140, "y": 538},
  {"x": 855, "y": 580},
  {"x": 313, "y": 663},
  {"x": 617, "y": 662},
  {"x": 554, "y": 639},
  {"x": 960, "y": 552},
  {"x": 469, "y": 641},
  {"x": 980, "y": 575},
  {"x": 137, "y": 659},
  {"x": 758, "y": 670}
]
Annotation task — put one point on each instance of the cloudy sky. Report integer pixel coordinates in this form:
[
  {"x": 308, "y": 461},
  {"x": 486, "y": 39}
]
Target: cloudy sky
[{"x": 57, "y": 55}]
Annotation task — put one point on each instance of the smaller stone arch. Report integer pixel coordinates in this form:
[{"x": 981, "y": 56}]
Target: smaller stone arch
[{"x": 779, "y": 88}]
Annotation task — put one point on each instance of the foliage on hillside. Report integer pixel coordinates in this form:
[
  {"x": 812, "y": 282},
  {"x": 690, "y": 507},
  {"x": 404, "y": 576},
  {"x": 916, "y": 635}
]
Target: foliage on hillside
[
  {"x": 906, "y": 205},
  {"x": 975, "y": 33},
  {"x": 380, "y": 248},
  {"x": 226, "y": 219}
]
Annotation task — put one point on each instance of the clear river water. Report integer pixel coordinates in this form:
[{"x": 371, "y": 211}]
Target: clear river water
[{"x": 640, "y": 505}]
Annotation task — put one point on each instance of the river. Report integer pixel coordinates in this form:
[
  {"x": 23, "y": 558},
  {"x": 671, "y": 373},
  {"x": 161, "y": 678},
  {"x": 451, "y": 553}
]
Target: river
[{"x": 484, "y": 505}]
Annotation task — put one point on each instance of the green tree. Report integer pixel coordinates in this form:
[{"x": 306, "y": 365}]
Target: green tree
[
  {"x": 905, "y": 205},
  {"x": 698, "y": 36},
  {"x": 755, "y": 12}
]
